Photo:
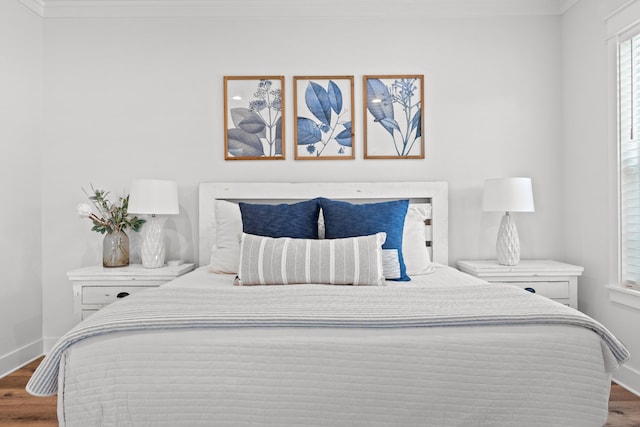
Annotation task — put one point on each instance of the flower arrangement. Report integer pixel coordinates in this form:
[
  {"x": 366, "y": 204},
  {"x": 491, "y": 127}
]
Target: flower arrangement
[{"x": 108, "y": 217}]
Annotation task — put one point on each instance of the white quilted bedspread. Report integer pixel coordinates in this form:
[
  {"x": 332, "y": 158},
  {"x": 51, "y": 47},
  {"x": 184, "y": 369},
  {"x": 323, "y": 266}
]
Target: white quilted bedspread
[{"x": 203, "y": 352}]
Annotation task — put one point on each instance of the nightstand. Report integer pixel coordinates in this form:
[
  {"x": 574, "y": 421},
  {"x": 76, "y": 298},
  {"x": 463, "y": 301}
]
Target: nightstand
[
  {"x": 96, "y": 286},
  {"x": 552, "y": 279}
]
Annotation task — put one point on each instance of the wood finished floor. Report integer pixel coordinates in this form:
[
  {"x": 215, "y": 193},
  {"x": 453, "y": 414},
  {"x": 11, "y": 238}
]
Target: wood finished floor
[{"x": 18, "y": 408}]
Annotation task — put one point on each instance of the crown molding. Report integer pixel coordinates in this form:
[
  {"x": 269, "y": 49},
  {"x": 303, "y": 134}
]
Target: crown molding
[
  {"x": 36, "y": 6},
  {"x": 566, "y": 5},
  {"x": 290, "y": 8}
]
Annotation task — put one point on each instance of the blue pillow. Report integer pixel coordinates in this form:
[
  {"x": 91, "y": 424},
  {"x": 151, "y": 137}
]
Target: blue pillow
[
  {"x": 343, "y": 219},
  {"x": 297, "y": 220}
]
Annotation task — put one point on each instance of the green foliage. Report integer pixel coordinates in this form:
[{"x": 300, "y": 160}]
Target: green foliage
[{"x": 107, "y": 216}]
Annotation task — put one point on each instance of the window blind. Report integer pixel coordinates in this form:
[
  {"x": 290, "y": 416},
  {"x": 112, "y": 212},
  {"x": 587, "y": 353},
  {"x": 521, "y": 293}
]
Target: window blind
[{"x": 629, "y": 162}]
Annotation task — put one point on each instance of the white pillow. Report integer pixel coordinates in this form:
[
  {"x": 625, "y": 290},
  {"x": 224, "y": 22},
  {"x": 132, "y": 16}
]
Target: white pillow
[
  {"x": 283, "y": 260},
  {"x": 414, "y": 249},
  {"x": 225, "y": 253}
]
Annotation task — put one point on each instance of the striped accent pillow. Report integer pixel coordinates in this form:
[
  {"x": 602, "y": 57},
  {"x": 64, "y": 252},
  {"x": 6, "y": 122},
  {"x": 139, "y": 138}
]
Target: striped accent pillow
[{"x": 282, "y": 261}]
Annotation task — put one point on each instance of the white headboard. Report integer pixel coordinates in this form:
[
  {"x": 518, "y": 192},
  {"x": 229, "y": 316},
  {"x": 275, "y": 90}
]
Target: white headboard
[{"x": 436, "y": 232}]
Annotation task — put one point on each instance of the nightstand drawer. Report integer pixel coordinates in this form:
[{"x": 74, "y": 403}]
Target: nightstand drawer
[
  {"x": 554, "y": 290},
  {"x": 108, "y": 294},
  {"x": 95, "y": 287},
  {"x": 552, "y": 279}
]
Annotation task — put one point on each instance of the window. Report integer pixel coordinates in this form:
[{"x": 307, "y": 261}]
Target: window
[
  {"x": 629, "y": 160},
  {"x": 623, "y": 49}
]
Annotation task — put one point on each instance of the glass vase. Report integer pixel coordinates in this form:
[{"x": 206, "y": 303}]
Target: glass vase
[{"x": 115, "y": 249}]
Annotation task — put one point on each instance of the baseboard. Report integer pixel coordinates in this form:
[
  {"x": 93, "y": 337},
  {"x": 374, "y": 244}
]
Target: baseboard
[
  {"x": 20, "y": 357},
  {"x": 628, "y": 378}
]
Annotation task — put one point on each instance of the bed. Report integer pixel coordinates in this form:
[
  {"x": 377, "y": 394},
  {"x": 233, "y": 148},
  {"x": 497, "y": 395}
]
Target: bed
[{"x": 442, "y": 348}]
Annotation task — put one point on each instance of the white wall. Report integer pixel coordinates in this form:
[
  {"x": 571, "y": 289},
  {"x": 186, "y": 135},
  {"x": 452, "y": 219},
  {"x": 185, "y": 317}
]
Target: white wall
[
  {"x": 132, "y": 98},
  {"x": 586, "y": 166},
  {"x": 20, "y": 174}
]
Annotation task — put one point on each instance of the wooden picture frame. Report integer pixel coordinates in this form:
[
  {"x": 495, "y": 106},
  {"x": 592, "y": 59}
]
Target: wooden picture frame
[
  {"x": 393, "y": 116},
  {"x": 254, "y": 118},
  {"x": 323, "y": 118}
]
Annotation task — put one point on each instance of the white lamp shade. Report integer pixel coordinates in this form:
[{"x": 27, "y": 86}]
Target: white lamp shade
[
  {"x": 153, "y": 196},
  {"x": 508, "y": 195}
]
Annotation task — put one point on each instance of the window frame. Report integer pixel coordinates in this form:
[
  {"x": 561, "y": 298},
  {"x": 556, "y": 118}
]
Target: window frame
[{"x": 619, "y": 29}]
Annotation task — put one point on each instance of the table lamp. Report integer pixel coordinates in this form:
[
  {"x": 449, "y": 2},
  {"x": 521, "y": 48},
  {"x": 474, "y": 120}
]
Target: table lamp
[
  {"x": 153, "y": 197},
  {"x": 508, "y": 195}
]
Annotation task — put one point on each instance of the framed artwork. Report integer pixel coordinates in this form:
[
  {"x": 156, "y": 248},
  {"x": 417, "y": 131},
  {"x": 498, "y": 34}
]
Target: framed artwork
[
  {"x": 253, "y": 118},
  {"x": 393, "y": 117},
  {"x": 323, "y": 111}
]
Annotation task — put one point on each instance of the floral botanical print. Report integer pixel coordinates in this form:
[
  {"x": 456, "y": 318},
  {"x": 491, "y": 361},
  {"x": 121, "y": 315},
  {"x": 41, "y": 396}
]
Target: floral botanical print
[
  {"x": 394, "y": 105},
  {"x": 324, "y": 117},
  {"x": 257, "y": 126}
]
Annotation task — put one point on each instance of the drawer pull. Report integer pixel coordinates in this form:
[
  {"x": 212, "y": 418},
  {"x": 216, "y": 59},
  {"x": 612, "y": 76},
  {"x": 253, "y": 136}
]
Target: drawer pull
[
  {"x": 533, "y": 291},
  {"x": 122, "y": 295}
]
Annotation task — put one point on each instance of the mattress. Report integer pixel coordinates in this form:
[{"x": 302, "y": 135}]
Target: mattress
[{"x": 521, "y": 374}]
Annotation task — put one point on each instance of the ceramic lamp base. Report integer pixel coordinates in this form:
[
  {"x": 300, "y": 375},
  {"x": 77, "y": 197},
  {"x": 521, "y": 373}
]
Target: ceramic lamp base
[
  {"x": 508, "y": 244},
  {"x": 152, "y": 251}
]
